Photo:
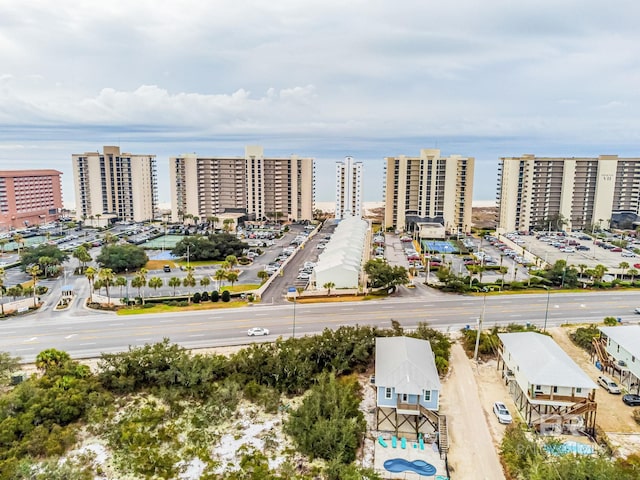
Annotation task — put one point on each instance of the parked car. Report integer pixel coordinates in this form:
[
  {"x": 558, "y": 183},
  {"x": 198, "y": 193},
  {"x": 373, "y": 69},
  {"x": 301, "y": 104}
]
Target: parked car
[
  {"x": 502, "y": 412},
  {"x": 616, "y": 249},
  {"x": 584, "y": 248},
  {"x": 166, "y": 268},
  {"x": 609, "y": 385},
  {"x": 257, "y": 331},
  {"x": 628, "y": 254},
  {"x": 631, "y": 399}
]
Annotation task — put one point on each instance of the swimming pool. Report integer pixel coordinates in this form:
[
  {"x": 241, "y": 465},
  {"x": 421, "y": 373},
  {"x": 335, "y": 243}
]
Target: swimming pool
[
  {"x": 397, "y": 465},
  {"x": 569, "y": 447}
]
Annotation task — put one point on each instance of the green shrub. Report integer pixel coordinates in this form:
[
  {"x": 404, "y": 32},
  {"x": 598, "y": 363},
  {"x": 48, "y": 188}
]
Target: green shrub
[
  {"x": 583, "y": 337},
  {"x": 610, "y": 321},
  {"x": 205, "y": 296},
  {"x": 197, "y": 297},
  {"x": 215, "y": 296},
  {"x": 226, "y": 296}
]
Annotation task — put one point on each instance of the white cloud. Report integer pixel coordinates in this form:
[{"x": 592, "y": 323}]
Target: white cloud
[{"x": 324, "y": 77}]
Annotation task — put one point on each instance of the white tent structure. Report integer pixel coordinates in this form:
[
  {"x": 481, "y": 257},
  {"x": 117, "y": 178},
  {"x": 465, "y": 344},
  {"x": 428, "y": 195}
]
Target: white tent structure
[{"x": 341, "y": 261}]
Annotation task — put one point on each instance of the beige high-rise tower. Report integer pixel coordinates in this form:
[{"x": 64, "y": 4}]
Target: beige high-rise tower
[
  {"x": 279, "y": 189},
  {"x": 560, "y": 193},
  {"x": 122, "y": 184},
  {"x": 429, "y": 188}
]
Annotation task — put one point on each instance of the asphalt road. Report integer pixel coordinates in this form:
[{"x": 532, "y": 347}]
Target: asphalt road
[{"x": 84, "y": 333}]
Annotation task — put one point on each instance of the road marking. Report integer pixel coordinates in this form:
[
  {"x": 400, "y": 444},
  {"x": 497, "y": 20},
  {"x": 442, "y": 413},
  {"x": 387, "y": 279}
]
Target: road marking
[
  {"x": 23, "y": 349},
  {"x": 165, "y": 321},
  {"x": 65, "y": 328},
  {"x": 116, "y": 324},
  {"x": 387, "y": 308},
  {"x": 262, "y": 314},
  {"x": 32, "y": 339},
  {"x": 197, "y": 335},
  {"x": 143, "y": 339},
  {"x": 71, "y": 336},
  {"x": 86, "y": 344},
  {"x": 515, "y": 315},
  {"x": 346, "y": 309}
]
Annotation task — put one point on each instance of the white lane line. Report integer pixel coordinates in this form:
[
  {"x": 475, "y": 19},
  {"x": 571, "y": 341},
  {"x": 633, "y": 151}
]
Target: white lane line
[
  {"x": 91, "y": 343},
  {"x": 346, "y": 309},
  {"x": 116, "y": 324},
  {"x": 71, "y": 336},
  {"x": 32, "y": 339},
  {"x": 143, "y": 339},
  {"x": 8, "y": 333},
  {"x": 387, "y": 308},
  {"x": 165, "y": 321},
  {"x": 515, "y": 315},
  {"x": 197, "y": 335},
  {"x": 65, "y": 328},
  {"x": 262, "y": 314},
  {"x": 23, "y": 349}
]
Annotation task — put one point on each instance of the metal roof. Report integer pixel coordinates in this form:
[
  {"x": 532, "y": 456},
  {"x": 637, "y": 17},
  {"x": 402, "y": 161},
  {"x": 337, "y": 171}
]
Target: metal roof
[
  {"x": 628, "y": 337},
  {"x": 406, "y": 364},
  {"x": 541, "y": 360}
]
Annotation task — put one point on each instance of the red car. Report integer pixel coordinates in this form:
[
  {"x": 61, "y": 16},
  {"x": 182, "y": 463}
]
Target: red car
[
  {"x": 616, "y": 249},
  {"x": 636, "y": 265}
]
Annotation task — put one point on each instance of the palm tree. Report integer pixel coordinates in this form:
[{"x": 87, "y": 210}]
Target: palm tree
[
  {"x": 599, "y": 271},
  {"x": 141, "y": 280},
  {"x": 155, "y": 283},
  {"x": 213, "y": 221},
  {"x": 107, "y": 277},
  {"x": 633, "y": 272},
  {"x": 90, "y": 273},
  {"x": 3, "y": 242},
  {"x": 189, "y": 281},
  {"x": 227, "y": 225},
  {"x": 231, "y": 260},
  {"x": 2, "y": 277},
  {"x": 582, "y": 267},
  {"x": 220, "y": 275},
  {"x": 232, "y": 277},
  {"x": 623, "y": 266},
  {"x": 263, "y": 276},
  {"x": 174, "y": 282},
  {"x": 17, "y": 238},
  {"x": 329, "y": 286},
  {"x": 121, "y": 282},
  {"x": 82, "y": 255},
  {"x": 34, "y": 271},
  {"x": 205, "y": 281}
]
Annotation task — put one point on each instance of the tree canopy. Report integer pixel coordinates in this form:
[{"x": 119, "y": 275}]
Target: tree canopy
[
  {"x": 122, "y": 257},
  {"x": 213, "y": 247},
  {"x": 381, "y": 274},
  {"x": 43, "y": 255}
]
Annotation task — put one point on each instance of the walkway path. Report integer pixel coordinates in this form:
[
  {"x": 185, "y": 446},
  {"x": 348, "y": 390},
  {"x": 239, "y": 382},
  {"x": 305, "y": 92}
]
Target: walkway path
[{"x": 472, "y": 453}]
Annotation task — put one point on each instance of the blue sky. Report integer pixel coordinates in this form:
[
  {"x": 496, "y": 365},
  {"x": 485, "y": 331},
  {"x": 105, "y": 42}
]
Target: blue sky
[{"x": 323, "y": 79}]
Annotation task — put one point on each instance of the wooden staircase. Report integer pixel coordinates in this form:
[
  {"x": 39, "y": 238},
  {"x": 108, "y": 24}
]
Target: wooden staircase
[
  {"x": 601, "y": 353},
  {"x": 443, "y": 436}
]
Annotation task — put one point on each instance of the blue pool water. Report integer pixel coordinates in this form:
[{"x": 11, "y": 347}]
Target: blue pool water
[
  {"x": 420, "y": 467},
  {"x": 569, "y": 447}
]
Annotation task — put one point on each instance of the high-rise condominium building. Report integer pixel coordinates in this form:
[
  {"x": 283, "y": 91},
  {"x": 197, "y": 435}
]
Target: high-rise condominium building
[
  {"x": 429, "y": 188},
  {"x": 29, "y": 197},
  {"x": 348, "y": 188},
  {"x": 566, "y": 193},
  {"x": 273, "y": 188},
  {"x": 114, "y": 183}
]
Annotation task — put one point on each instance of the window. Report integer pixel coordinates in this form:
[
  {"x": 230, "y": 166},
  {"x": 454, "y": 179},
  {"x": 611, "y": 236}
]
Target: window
[
  {"x": 387, "y": 393},
  {"x": 555, "y": 389},
  {"x": 427, "y": 395},
  {"x": 405, "y": 398},
  {"x": 578, "y": 390}
]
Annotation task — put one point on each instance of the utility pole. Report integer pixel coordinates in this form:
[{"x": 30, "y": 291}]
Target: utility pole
[
  {"x": 475, "y": 351},
  {"x": 546, "y": 312}
]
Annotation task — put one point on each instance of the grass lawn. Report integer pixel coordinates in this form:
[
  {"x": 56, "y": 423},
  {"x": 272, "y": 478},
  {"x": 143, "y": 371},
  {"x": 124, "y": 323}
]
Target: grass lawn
[
  {"x": 198, "y": 263},
  {"x": 243, "y": 287},
  {"x": 161, "y": 308}
]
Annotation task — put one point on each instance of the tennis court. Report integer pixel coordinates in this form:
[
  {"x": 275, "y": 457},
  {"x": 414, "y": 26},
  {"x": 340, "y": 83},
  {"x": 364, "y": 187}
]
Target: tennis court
[
  {"x": 439, "y": 246},
  {"x": 166, "y": 241}
]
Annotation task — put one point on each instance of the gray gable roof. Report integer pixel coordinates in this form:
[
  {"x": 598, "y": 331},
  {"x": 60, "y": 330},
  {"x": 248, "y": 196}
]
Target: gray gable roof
[
  {"x": 627, "y": 336},
  {"x": 543, "y": 362},
  {"x": 406, "y": 364}
]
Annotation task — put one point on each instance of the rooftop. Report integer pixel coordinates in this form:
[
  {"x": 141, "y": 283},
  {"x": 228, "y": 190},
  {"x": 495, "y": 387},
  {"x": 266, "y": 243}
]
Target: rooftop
[
  {"x": 543, "y": 362},
  {"x": 628, "y": 337}
]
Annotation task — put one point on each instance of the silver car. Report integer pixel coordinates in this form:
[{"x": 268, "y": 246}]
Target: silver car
[
  {"x": 257, "y": 331},
  {"x": 501, "y": 411}
]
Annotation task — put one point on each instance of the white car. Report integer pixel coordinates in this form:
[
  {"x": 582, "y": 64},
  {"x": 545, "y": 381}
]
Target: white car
[
  {"x": 501, "y": 411},
  {"x": 628, "y": 254},
  {"x": 257, "y": 331},
  {"x": 609, "y": 385}
]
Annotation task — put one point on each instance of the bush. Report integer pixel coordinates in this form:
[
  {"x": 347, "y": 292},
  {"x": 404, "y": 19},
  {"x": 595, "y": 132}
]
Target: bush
[
  {"x": 610, "y": 321},
  {"x": 205, "y": 296},
  {"x": 197, "y": 297},
  {"x": 215, "y": 296},
  {"x": 226, "y": 296},
  {"x": 584, "y": 336}
]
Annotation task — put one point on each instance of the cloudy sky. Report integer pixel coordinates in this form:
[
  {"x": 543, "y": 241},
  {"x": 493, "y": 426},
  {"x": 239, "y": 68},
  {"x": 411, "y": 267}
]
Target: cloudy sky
[{"x": 324, "y": 79}]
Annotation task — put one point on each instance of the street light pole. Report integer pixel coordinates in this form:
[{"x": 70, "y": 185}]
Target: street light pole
[
  {"x": 546, "y": 312},
  {"x": 294, "y": 314}
]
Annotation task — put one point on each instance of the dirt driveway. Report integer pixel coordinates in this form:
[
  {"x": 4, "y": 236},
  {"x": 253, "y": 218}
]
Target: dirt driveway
[{"x": 473, "y": 452}]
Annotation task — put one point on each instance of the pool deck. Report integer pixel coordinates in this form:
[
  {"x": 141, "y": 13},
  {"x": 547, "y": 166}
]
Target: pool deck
[{"x": 430, "y": 455}]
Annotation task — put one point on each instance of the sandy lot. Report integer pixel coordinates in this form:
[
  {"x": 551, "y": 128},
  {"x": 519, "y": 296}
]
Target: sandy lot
[{"x": 473, "y": 449}]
